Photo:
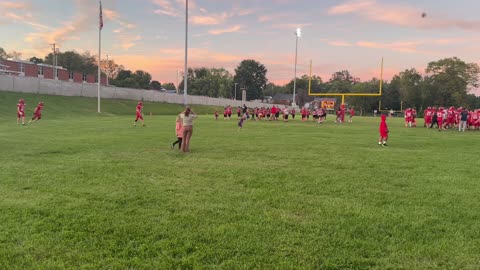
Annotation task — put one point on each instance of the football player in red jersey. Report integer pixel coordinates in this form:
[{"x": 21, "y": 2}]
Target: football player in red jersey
[
  {"x": 352, "y": 113},
  {"x": 21, "y": 111},
  {"x": 37, "y": 114},
  {"x": 139, "y": 114},
  {"x": 408, "y": 117},
  {"x": 440, "y": 119},
  {"x": 383, "y": 131}
]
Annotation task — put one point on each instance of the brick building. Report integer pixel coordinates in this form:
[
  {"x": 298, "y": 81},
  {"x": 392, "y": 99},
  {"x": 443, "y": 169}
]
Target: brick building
[{"x": 45, "y": 71}]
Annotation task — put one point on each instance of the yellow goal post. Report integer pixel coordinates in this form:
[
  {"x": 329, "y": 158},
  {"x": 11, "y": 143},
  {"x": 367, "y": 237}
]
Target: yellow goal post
[{"x": 343, "y": 95}]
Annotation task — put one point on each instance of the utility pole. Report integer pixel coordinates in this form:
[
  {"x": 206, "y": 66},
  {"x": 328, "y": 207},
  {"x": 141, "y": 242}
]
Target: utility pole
[{"x": 53, "y": 61}]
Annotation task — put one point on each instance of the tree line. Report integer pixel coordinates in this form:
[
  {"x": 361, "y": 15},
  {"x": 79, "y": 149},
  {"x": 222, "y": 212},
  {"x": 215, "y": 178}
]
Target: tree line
[{"x": 446, "y": 82}]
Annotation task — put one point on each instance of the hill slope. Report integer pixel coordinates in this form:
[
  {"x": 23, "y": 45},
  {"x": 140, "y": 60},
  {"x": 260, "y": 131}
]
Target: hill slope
[{"x": 59, "y": 106}]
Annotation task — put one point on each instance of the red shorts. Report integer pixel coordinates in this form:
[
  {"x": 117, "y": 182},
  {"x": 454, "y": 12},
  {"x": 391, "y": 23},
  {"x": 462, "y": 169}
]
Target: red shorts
[
  {"x": 384, "y": 134},
  {"x": 139, "y": 116},
  {"x": 37, "y": 116},
  {"x": 440, "y": 122},
  {"x": 20, "y": 114},
  {"x": 408, "y": 119}
]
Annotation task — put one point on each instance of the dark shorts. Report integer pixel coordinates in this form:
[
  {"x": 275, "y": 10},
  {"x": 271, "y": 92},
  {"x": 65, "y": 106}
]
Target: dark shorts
[
  {"x": 286, "y": 116},
  {"x": 239, "y": 114},
  {"x": 268, "y": 115},
  {"x": 229, "y": 115},
  {"x": 277, "y": 115}
]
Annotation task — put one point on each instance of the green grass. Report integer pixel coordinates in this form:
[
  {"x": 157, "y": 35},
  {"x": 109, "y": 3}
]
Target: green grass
[
  {"x": 79, "y": 191},
  {"x": 59, "y": 106}
]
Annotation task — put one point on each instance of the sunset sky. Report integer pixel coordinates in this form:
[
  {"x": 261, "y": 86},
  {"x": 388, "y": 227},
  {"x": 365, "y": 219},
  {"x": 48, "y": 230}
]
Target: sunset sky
[{"x": 336, "y": 34}]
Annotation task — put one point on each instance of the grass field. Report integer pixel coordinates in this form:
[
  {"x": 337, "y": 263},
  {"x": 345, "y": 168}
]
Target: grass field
[{"x": 82, "y": 191}]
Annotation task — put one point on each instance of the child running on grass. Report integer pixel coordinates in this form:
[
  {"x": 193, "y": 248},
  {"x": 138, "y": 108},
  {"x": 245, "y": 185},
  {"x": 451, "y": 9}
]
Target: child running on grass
[
  {"x": 383, "y": 131},
  {"x": 240, "y": 122},
  {"x": 179, "y": 132}
]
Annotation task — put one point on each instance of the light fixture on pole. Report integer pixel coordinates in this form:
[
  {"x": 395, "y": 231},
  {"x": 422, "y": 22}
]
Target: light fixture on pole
[
  {"x": 298, "y": 33},
  {"x": 186, "y": 56},
  {"x": 236, "y": 91}
]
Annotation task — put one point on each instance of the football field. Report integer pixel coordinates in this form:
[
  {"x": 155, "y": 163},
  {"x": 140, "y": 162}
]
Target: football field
[{"x": 85, "y": 191}]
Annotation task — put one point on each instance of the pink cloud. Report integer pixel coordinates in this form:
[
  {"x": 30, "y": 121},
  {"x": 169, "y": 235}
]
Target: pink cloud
[
  {"x": 232, "y": 29},
  {"x": 19, "y": 13},
  {"x": 401, "y": 15},
  {"x": 206, "y": 20},
  {"x": 340, "y": 43},
  {"x": 172, "y": 8},
  {"x": 13, "y": 5},
  {"x": 394, "y": 46}
]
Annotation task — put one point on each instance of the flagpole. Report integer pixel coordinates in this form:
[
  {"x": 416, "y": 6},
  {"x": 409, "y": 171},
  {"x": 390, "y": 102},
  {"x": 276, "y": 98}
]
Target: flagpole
[
  {"x": 185, "y": 80},
  {"x": 99, "y": 53}
]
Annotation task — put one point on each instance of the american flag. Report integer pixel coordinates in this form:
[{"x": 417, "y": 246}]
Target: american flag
[{"x": 101, "y": 16}]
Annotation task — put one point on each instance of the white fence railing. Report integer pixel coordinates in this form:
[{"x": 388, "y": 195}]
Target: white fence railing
[{"x": 63, "y": 88}]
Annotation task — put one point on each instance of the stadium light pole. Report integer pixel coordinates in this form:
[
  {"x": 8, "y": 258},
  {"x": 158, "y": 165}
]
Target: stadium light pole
[
  {"x": 298, "y": 33},
  {"x": 186, "y": 56}
]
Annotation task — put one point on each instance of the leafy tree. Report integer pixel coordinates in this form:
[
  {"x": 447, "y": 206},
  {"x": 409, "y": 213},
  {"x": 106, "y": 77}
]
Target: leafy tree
[
  {"x": 251, "y": 75},
  {"x": 271, "y": 89},
  {"x": 138, "y": 79},
  {"x": 156, "y": 85},
  {"x": 123, "y": 74},
  {"x": 36, "y": 60},
  {"x": 364, "y": 104},
  {"x": 142, "y": 78},
  {"x": 341, "y": 82},
  {"x": 111, "y": 68},
  {"x": 73, "y": 61},
  {"x": 3, "y": 54},
  {"x": 215, "y": 82},
  {"x": 15, "y": 55},
  {"x": 450, "y": 78},
  {"x": 391, "y": 95},
  {"x": 301, "y": 91},
  {"x": 409, "y": 82},
  {"x": 169, "y": 86}
]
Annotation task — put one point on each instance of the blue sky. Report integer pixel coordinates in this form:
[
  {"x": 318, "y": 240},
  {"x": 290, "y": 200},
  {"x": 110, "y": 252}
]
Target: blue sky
[{"x": 337, "y": 35}]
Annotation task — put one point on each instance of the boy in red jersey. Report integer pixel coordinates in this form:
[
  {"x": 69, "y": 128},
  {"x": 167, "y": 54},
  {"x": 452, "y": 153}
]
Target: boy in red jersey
[
  {"x": 428, "y": 117},
  {"x": 229, "y": 112},
  {"x": 342, "y": 113},
  {"x": 383, "y": 131},
  {"x": 139, "y": 114},
  {"x": 21, "y": 111},
  {"x": 475, "y": 116},
  {"x": 408, "y": 117},
  {"x": 440, "y": 119},
  {"x": 37, "y": 114},
  {"x": 450, "y": 117},
  {"x": 352, "y": 113}
]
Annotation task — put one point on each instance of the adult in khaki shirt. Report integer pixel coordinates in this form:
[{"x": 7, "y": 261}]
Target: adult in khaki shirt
[{"x": 187, "y": 120}]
